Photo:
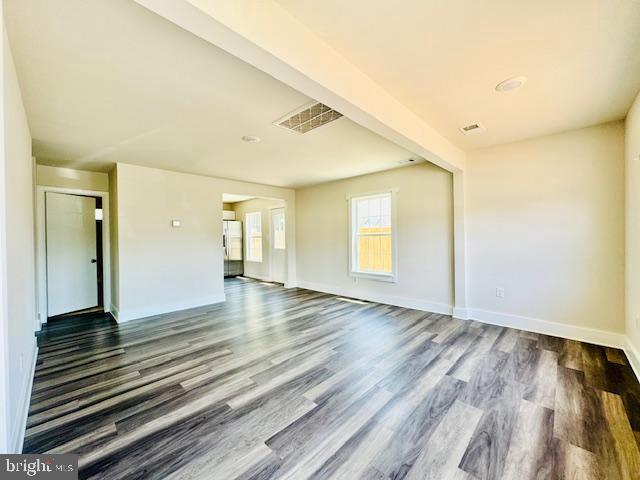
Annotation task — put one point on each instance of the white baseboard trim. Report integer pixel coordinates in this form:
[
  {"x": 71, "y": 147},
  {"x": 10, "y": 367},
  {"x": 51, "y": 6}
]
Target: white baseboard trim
[
  {"x": 572, "y": 332},
  {"x": 20, "y": 422},
  {"x": 633, "y": 356},
  {"x": 395, "y": 300},
  {"x": 256, "y": 277},
  {"x": 126, "y": 315}
]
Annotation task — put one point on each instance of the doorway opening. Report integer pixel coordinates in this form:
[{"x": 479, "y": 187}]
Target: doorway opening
[
  {"x": 74, "y": 254},
  {"x": 73, "y": 264},
  {"x": 254, "y": 238}
]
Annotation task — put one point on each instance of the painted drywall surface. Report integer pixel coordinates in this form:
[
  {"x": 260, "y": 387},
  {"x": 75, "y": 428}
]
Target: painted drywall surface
[
  {"x": 20, "y": 266},
  {"x": 161, "y": 268},
  {"x": 71, "y": 178},
  {"x": 113, "y": 240},
  {"x": 260, "y": 270},
  {"x": 425, "y": 238},
  {"x": 5, "y": 439},
  {"x": 632, "y": 168},
  {"x": 545, "y": 221}
]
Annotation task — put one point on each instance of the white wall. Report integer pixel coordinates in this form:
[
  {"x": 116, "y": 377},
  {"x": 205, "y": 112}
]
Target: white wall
[
  {"x": 71, "y": 178},
  {"x": 113, "y": 240},
  {"x": 18, "y": 275},
  {"x": 545, "y": 221},
  {"x": 260, "y": 270},
  {"x": 5, "y": 437},
  {"x": 160, "y": 268},
  {"x": 632, "y": 164},
  {"x": 425, "y": 238}
]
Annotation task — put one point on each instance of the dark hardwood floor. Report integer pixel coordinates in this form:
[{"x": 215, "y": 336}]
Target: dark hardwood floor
[{"x": 294, "y": 384}]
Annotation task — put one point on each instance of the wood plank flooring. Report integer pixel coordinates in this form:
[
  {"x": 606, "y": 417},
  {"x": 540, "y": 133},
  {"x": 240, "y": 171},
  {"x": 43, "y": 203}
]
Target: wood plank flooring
[{"x": 295, "y": 384}]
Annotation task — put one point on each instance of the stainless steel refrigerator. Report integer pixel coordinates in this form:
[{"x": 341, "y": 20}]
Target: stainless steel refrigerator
[{"x": 232, "y": 243}]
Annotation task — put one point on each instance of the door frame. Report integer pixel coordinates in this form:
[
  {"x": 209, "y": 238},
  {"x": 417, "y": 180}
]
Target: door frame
[
  {"x": 272, "y": 243},
  {"x": 41, "y": 248}
]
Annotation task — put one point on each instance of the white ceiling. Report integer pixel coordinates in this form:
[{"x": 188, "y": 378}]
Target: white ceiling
[
  {"x": 110, "y": 81},
  {"x": 443, "y": 59}
]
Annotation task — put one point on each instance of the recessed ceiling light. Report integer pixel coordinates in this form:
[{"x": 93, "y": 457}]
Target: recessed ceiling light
[
  {"x": 510, "y": 84},
  {"x": 250, "y": 139},
  {"x": 408, "y": 160}
]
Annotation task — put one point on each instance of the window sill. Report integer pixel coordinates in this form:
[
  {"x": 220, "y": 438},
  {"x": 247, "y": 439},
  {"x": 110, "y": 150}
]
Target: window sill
[{"x": 379, "y": 277}]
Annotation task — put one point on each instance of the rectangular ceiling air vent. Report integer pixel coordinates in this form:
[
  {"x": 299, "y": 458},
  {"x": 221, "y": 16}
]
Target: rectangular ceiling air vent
[
  {"x": 308, "y": 117},
  {"x": 473, "y": 128}
]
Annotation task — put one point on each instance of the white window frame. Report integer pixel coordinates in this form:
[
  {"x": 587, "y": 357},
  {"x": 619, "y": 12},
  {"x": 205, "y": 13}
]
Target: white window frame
[
  {"x": 248, "y": 257},
  {"x": 353, "y": 271}
]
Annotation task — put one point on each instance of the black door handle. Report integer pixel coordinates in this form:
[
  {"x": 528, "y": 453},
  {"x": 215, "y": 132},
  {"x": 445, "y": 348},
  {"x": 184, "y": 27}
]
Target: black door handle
[{"x": 93, "y": 260}]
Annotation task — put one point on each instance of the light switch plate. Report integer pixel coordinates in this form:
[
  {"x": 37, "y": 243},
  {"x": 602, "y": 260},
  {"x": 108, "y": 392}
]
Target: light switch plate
[{"x": 175, "y": 223}]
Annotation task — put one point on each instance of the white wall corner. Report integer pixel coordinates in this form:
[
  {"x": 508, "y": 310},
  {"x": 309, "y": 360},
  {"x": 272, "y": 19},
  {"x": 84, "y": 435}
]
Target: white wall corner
[
  {"x": 461, "y": 313},
  {"x": 114, "y": 312},
  {"x": 460, "y": 285},
  {"x": 20, "y": 422},
  {"x": 633, "y": 356}
]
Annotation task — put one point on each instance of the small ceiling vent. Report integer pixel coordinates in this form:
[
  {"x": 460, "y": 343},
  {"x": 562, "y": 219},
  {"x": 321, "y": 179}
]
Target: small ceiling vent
[
  {"x": 308, "y": 117},
  {"x": 473, "y": 128}
]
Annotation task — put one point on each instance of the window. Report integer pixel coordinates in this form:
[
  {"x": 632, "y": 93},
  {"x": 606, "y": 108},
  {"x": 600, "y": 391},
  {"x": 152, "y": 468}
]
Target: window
[
  {"x": 373, "y": 252},
  {"x": 253, "y": 222},
  {"x": 278, "y": 230}
]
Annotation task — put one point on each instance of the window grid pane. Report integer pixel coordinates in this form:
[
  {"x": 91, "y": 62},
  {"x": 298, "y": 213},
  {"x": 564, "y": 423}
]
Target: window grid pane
[{"x": 373, "y": 234}]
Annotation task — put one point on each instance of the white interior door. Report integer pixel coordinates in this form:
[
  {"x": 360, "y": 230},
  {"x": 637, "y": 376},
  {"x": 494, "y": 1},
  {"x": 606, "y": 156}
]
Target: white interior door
[
  {"x": 278, "y": 246},
  {"x": 72, "y": 269}
]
